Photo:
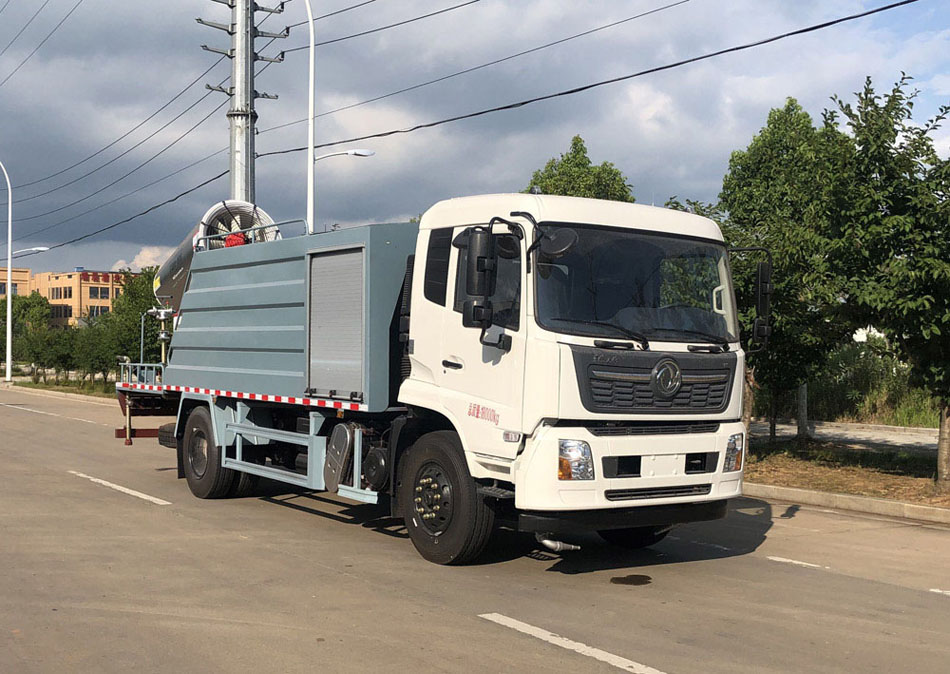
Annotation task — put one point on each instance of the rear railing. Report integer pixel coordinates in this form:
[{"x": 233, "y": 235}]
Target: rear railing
[{"x": 141, "y": 373}]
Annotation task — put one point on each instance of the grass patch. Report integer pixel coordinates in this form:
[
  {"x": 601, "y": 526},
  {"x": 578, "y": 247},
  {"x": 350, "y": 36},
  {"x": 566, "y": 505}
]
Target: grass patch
[
  {"x": 97, "y": 390},
  {"x": 902, "y": 476}
]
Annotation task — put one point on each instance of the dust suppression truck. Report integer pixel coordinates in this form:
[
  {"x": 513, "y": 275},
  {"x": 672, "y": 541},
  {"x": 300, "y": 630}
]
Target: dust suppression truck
[{"x": 550, "y": 364}]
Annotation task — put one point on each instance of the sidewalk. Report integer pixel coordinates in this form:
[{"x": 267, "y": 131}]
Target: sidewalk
[{"x": 859, "y": 436}]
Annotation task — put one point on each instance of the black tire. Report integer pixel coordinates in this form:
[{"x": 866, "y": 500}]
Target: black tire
[
  {"x": 635, "y": 538},
  {"x": 244, "y": 485},
  {"x": 459, "y": 522},
  {"x": 202, "y": 458},
  {"x": 166, "y": 436}
]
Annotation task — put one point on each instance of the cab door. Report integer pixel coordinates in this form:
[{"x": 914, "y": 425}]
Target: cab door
[{"x": 482, "y": 386}]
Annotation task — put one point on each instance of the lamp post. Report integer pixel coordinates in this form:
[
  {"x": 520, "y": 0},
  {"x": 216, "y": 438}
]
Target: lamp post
[
  {"x": 310, "y": 120},
  {"x": 9, "y": 371}
]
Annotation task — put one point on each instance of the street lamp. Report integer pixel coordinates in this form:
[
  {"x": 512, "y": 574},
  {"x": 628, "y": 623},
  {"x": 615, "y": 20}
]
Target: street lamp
[
  {"x": 349, "y": 153},
  {"x": 34, "y": 249},
  {"x": 9, "y": 371}
]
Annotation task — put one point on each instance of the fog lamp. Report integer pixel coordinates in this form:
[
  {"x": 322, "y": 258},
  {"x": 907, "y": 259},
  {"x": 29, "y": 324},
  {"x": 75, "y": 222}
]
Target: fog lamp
[
  {"x": 734, "y": 449},
  {"x": 574, "y": 461}
]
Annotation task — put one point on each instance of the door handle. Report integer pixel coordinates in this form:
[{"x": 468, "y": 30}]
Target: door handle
[{"x": 451, "y": 364}]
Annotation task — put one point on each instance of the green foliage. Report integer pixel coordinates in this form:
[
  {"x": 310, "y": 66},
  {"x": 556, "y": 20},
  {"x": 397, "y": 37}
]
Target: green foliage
[
  {"x": 892, "y": 236},
  {"x": 774, "y": 200},
  {"x": 865, "y": 382},
  {"x": 95, "y": 347},
  {"x": 123, "y": 322},
  {"x": 574, "y": 175}
]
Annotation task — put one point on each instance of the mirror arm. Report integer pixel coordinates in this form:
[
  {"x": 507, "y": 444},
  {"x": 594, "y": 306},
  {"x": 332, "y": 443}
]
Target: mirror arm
[
  {"x": 503, "y": 342},
  {"x": 537, "y": 237}
]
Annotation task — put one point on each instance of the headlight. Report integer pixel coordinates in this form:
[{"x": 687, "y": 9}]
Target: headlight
[
  {"x": 574, "y": 461},
  {"x": 734, "y": 448}
]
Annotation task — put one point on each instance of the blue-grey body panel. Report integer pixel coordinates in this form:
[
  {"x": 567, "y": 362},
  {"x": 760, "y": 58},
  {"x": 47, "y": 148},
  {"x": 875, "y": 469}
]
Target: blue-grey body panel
[{"x": 243, "y": 320}]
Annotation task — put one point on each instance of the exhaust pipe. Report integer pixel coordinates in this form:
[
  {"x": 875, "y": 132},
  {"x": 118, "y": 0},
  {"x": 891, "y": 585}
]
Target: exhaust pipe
[{"x": 553, "y": 545}]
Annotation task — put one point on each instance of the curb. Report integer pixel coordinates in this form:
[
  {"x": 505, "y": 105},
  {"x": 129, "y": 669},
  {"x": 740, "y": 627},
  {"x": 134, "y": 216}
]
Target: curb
[
  {"x": 92, "y": 400},
  {"x": 861, "y": 504}
]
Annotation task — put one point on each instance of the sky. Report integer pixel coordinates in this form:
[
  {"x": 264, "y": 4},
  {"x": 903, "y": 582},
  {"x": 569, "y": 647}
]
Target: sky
[{"x": 112, "y": 65}]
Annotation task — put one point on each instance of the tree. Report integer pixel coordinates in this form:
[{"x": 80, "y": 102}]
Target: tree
[
  {"x": 124, "y": 320},
  {"x": 95, "y": 349},
  {"x": 774, "y": 200},
  {"x": 574, "y": 175},
  {"x": 892, "y": 239}
]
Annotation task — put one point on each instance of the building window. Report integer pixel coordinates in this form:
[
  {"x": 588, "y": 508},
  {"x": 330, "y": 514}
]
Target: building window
[
  {"x": 3, "y": 288},
  {"x": 68, "y": 293},
  {"x": 15, "y": 288},
  {"x": 93, "y": 293},
  {"x": 103, "y": 293}
]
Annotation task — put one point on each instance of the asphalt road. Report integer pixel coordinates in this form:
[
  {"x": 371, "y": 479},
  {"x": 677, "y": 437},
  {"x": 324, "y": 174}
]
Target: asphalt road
[{"x": 99, "y": 580}]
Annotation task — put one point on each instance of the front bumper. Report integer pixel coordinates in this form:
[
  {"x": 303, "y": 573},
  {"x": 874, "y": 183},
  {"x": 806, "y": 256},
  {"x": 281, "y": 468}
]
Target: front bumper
[
  {"x": 620, "y": 518},
  {"x": 663, "y": 478}
]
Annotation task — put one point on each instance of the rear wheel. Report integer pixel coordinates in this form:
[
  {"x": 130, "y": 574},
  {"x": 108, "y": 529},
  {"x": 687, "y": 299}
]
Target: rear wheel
[
  {"x": 202, "y": 458},
  {"x": 448, "y": 521},
  {"x": 635, "y": 538}
]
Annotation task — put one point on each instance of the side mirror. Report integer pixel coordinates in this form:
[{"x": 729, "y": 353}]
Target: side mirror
[
  {"x": 763, "y": 290},
  {"x": 481, "y": 265},
  {"x": 477, "y": 313},
  {"x": 761, "y": 330}
]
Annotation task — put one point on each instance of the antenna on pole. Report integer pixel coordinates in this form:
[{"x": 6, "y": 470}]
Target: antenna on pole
[{"x": 242, "y": 115}]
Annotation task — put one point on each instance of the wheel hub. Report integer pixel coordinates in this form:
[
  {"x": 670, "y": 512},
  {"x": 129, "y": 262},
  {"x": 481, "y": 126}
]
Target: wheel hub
[
  {"x": 198, "y": 453},
  {"x": 433, "y": 498}
]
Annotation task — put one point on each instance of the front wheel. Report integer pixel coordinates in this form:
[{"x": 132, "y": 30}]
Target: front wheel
[
  {"x": 447, "y": 520},
  {"x": 635, "y": 538}
]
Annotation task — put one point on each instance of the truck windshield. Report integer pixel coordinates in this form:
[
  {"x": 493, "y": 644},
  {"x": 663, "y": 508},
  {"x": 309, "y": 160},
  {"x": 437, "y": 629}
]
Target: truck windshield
[{"x": 664, "y": 287}]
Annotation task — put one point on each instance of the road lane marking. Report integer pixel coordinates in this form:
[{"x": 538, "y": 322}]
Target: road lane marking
[
  {"x": 50, "y": 414},
  {"x": 576, "y": 646},
  {"x": 124, "y": 490},
  {"x": 796, "y": 562},
  {"x": 946, "y": 592}
]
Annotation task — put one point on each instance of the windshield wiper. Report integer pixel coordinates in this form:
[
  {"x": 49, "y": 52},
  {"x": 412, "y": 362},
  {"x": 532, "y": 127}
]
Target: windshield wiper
[
  {"x": 717, "y": 340},
  {"x": 636, "y": 336}
]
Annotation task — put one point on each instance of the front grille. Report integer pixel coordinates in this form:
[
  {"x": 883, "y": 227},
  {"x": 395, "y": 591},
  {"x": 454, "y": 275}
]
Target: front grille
[
  {"x": 632, "y": 391},
  {"x": 657, "y": 492},
  {"x": 674, "y": 428}
]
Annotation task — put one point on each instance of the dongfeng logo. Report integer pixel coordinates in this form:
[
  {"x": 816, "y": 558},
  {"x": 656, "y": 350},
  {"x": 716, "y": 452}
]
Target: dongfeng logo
[{"x": 667, "y": 378}]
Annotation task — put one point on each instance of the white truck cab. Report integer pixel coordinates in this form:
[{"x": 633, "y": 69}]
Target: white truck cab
[{"x": 609, "y": 374}]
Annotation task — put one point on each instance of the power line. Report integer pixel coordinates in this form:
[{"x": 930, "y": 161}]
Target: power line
[
  {"x": 613, "y": 80},
  {"x": 479, "y": 67},
  {"x": 130, "y": 219},
  {"x": 124, "y": 135},
  {"x": 129, "y": 173},
  {"x": 126, "y": 175},
  {"x": 339, "y": 11},
  {"x": 4, "y": 6},
  {"x": 381, "y": 28},
  {"x": 120, "y": 198},
  {"x": 17, "y": 36},
  {"x": 140, "y": 124},
  {"x": 48, "y": 36}
]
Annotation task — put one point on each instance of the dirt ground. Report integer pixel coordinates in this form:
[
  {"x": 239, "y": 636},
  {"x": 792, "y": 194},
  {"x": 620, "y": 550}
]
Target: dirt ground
[{"x": 785, "y": 470}]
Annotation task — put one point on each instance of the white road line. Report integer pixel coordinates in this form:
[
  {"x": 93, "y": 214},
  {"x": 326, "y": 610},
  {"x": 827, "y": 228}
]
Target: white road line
[
  {"x": 50, "y": 414},
  {"x": 946, "y": 592},
  {"x": 809, "y": 565},
  {"x": 576, "y": 646},
  {"x": 124, "y": 490}
]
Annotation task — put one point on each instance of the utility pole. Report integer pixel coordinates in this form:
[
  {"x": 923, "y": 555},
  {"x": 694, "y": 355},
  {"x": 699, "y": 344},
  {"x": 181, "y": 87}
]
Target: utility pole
[{"x": 242, "y": 115}]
